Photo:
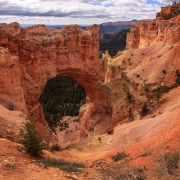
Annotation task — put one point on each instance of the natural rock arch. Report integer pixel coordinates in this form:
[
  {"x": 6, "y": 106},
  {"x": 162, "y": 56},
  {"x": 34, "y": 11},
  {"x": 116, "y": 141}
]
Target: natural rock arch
[{"x": 30, "y": 57}]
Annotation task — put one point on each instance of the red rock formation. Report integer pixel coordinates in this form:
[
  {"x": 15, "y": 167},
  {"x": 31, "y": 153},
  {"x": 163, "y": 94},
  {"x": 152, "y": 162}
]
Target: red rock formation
[
  {"x": 149, "y": 32},
  {"x": 152, "y": 48},
  {"x": 10, "y": 123},
  {"x": 169, "y": 11},
  {"x": 10, "y": 80},
  {"x": 30, "y": 57}
]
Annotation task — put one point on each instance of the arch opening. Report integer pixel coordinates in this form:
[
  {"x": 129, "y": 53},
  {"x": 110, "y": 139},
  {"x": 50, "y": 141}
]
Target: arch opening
[{"x": 62, "y": 96}]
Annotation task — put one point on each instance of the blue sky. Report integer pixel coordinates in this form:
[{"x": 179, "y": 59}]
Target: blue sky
[
  {"x": 156, "y": 2},
  {"x": 77, "y": 11}
]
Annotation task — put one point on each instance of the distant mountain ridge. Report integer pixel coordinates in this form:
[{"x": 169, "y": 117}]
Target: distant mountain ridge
[
  {"x": 120, "y": 23},
  {"x": 52, "y": 26},
  {"x": 109, "y": 27},
  {"x": 106, "y": 27}
]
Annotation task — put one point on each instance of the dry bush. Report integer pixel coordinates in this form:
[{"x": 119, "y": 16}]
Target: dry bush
[
  {"x": 119, "y": 156},
  {"x": 122, "y": 171},
  {"x": 165, "y": 161}
]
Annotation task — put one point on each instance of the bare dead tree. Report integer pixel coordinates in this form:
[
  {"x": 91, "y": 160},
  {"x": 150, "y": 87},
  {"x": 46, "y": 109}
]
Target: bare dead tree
[
  {"x": 166, "y": 162},
  {"x": 121, "y": 171}
]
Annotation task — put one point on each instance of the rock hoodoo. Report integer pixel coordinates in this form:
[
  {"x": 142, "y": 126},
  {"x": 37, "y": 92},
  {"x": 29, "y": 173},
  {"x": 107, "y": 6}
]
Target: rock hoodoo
[{"x": 30, "y": 57}]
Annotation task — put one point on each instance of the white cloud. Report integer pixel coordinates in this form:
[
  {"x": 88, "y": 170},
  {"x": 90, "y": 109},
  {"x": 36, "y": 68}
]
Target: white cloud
[
  {"x": 76, "y": 11},
  {"x": 165, "y": 1}
]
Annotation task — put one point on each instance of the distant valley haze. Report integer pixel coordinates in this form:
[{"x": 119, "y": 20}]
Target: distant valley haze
[{"x": 81, "y": 12}]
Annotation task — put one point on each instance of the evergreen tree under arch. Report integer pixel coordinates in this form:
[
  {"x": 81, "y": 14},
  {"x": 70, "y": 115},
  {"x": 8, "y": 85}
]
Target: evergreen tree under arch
[{"x": 62, "y": 96}]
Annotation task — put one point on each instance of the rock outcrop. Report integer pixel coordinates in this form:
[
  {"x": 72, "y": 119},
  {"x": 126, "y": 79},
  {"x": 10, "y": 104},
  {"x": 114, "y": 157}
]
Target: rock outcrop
[
  {"x": 10, "y": 123},
  {"x": 169, "y": 11},
  {"x": 30, "y": 57},
  {"x": 151, "y": 58},
  {"x": 148, "y": 32}
]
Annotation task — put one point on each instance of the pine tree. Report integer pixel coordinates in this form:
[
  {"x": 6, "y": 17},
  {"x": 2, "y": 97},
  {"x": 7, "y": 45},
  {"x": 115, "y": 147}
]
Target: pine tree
[
  {"x": 63, "y": 96},
  {"x": 29, "y": 138}
]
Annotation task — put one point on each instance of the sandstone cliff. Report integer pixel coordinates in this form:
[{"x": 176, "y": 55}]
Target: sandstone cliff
[
  {"x": 151, "y": 58},
  {"x": 169, "y": 11},
  {"x": 149, "y": 32},
  {"x": 30, "y": 57}
]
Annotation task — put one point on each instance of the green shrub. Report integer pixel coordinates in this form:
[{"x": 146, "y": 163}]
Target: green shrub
[
  {"x": 63, "y": 165},
  {"x": 119, "y": 156},
  {"x": 178, "y": 81},
  {"x": 55, "y": 147},
  {"x": 129, "y": 96},
  {"x": 158, "y": 95},
  {"x": 163, "y": 89},
  {"x": 177, "y": 78},
  {"x": 131, "y": 117},
  {"x": 137, "y": 75},
  {"x": 10, "y": 106},
  {"x": 164, "y": 71},
  {"x": 110, "y": 132},
  {"x": 144, "y": 110},
  {"x": 177, "y": 73},
  {"x": 99, "y": 139},
  {"x": 30, "y": 140}
]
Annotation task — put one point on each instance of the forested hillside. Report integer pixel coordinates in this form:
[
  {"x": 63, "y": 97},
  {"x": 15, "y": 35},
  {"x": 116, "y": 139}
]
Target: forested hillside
[
  {"x": 114, "y": 42},
  {"x": 62, "y": 96}
]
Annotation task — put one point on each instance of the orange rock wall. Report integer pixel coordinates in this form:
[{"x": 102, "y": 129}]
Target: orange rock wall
[
  {"x": 10, "y": 85},
  {"x": 165, "y": 10},
  {"x": 30, "y": 57},
  {"x": 168, "y": 11},
  {"x": 149, "y": 32}
]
